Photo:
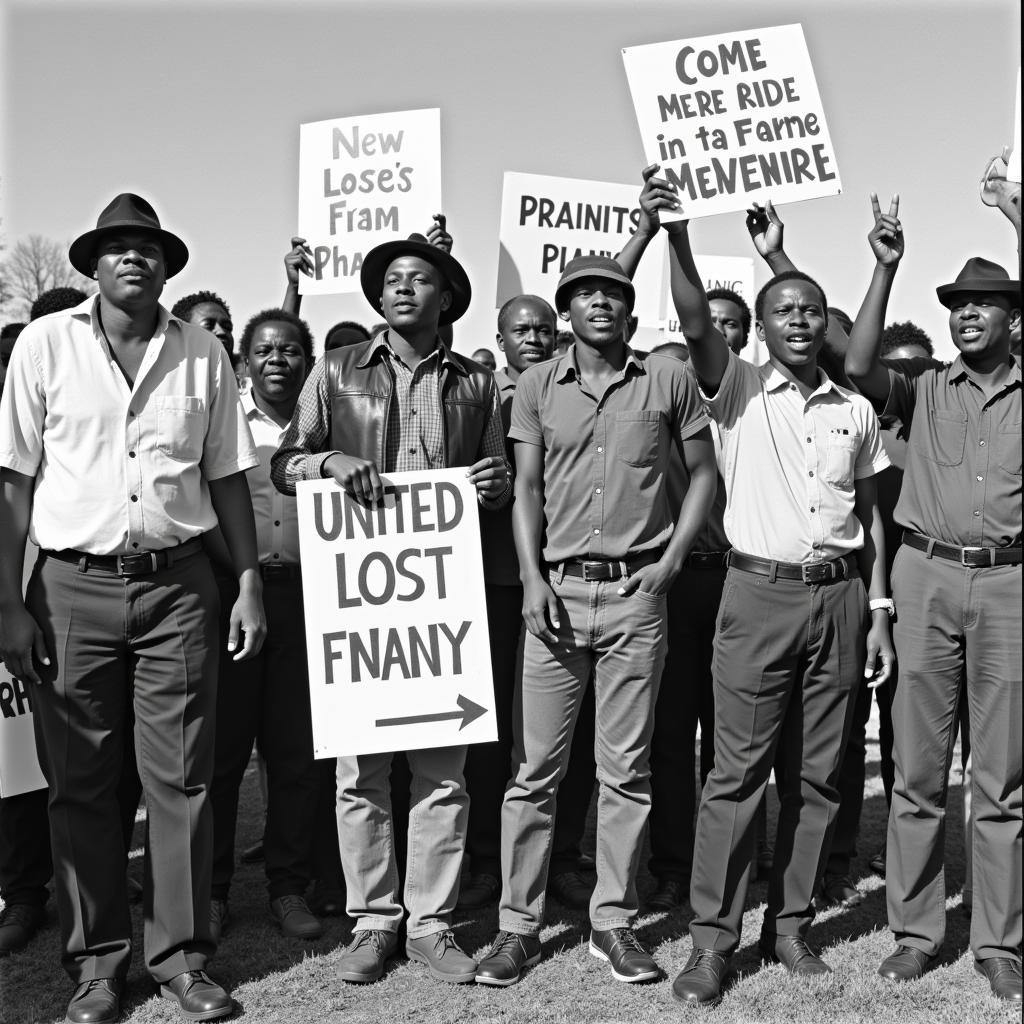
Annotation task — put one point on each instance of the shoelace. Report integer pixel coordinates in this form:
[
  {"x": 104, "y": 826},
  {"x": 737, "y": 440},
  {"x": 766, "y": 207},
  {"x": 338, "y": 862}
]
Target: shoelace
[
  {"x": 368, "y": 937},
  {"x": 444, "y": 942},
  {"x": 703, "y": 955},
  {"x": 628, "y": 939},
  {"x": 20, "y": 914},
  {"x": 505, "y": 944},
  {"x": 293, "y": 902}
]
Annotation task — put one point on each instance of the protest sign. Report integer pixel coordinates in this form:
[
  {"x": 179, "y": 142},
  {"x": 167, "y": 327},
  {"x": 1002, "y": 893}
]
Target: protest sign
[
  {"x": 362, "y": 181},
  {"x": 19, "y": 765},
  {"x": 733, "y": 119},
  {"x": 396, "y": 616},
  {"x": 546, "y": 221}
]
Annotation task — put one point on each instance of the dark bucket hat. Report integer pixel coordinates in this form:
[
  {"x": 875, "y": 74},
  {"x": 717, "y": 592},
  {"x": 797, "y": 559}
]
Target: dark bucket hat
[{"x": 592, "y": 266}]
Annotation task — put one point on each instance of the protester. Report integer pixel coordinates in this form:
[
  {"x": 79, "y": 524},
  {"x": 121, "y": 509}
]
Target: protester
[
  {"x": 347, "y": 332},
  {"x": 417, "y": 286},
  {"x": 209, "y": 311},
  {"x": 957, "y": 588},
  {"x": 485, "y": 357},
  {"x": 122, "y": 598}
]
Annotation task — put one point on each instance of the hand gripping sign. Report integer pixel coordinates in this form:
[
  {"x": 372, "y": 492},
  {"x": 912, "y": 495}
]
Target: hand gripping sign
[{"x": 396, "y": 616}]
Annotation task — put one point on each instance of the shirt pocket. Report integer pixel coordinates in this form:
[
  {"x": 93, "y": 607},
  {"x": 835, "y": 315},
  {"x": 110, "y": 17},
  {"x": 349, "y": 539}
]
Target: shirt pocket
[
  {"x": 636, "y": 437},
  {"x": 946, "y": 438},
  {"x": 180, "y": 427},
  {"x": 841, "y": 459},
  {"x": 1008, "y": 448}
]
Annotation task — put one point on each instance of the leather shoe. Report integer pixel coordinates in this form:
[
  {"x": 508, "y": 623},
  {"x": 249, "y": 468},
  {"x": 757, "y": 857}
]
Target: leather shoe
[
  {"x": 96, "y": 1002},
  {"x": 252, "y": 854},
  {"x": 441, "y": 953},
  {"x": 295, "y": 918},
  {"x": 837, "y": 891},
  {"x": 571, "y": 889},
  {"x": 906, "y": 964},
  {"x": 877, "y": 862},
  {"x": 793, "y": 953},
  {"x": 699, "y": 983},
  {"x": 18, "y": 923},
  {"x": 1003, "y": 976},
  {"x": 668, "y": 894},
  {"x": 621, "y": 948},
  {"x": 366, "y": 955},
  {"x": 480, "y": 891},
  {"x": 505, "y": 960},
  {"x": 218, "y": 919},
  {"x": 198, "y": 996}
]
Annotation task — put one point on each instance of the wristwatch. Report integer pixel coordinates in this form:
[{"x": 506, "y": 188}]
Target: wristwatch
[{"x": 883, "y": 602}]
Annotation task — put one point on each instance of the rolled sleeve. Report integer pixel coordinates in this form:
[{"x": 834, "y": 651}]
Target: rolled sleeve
[
  {"x": 725, "y": 406},
  {"x": 872, "y": 457},
  {"x": 22, "y": 412},
  {"x": 301, "y": 454},
  {"x": 690, "y": 416},
  {"x": 229, "y": 446}
]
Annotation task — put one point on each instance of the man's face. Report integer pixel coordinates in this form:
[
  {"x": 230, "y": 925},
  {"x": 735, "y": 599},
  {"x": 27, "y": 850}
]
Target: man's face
[
  {"x": 794, "y": 322},
  {"x": 276, "y": 362},
  {"x": 597, "y": 311},
  {"x": 728, "y": 319},
  {"x": 980, "y": 322},
  {"x": 485, "y": 357},
  {"x": 414, "y": 294},
  {"x": 130, "y": 268},
  {"x": 908, "y": 352},
  {"x": 528, "y": 336},
  {"x": 213, "y": 317}
]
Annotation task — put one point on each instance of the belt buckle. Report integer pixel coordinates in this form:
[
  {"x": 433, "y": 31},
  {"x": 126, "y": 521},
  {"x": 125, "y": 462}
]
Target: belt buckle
[
  {"x": 817, "y": 572},
  {"x": 603, "y": 571},
  {"x": 125, "y": 565},
  {"x": 963, "y": 557}
]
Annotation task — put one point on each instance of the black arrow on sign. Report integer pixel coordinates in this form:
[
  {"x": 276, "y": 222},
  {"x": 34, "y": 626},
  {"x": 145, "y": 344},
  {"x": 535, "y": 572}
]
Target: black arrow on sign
[{"x": 469, "y": 712}]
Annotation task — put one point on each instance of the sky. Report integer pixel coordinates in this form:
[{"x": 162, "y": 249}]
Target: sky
[{"x": 197, "y": 107}]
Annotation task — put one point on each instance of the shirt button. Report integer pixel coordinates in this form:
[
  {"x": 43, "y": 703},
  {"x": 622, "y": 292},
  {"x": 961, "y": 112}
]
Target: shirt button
[
  {"x": 135, "y": 543},
  {"x": 810, "y": 472},
  {"x": 596, "y": 532},
  {"x": 277, "y": 522},
  {"x": 412, "y": 451},
  {"x": 600, "y": 449},
  {"x": 135, "y": 497},
  {"x": 275, "y": 555},
  {"x": 809, "y": 441},
  {"x": 597, "y": 490},
  {"x": 980, "y": 478},
  {"x": 982, "y": 443},
  {"x": 131, "y": 455},
  {"x": 812, "y": 508},
  {"x": 131, "y": 412},
  {"x": 792, "y": 387},
  {"x": 976, "y": 512},
  {"x": 412, "y": 412}
]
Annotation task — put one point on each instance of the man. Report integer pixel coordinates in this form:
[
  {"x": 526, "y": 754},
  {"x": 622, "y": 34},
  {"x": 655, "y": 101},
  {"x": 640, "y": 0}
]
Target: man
[
  {"x": 485, "y": 357},
  {"x": 957, "y": 588},
  {"x": 401, "y": 402},
  {"x": 731, "y": 316},
  {"x": 799, "y": 456},
  {"x": 122, "y": 442},
  {"x": 593, "y": 430},
  {"x": 208, "y": 310}
]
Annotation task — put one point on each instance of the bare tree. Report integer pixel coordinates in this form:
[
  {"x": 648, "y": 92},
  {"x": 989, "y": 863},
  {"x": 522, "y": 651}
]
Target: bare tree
[{"x": 34, "y": 265}]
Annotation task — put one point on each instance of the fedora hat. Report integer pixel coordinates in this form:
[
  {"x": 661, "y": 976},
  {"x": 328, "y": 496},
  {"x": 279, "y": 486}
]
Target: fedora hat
[
  {"x": 592, "y": 266},
  {"x": 132, "y": 212},
  {"x": 379, "y": 258},
  {"x": 979, "y": 275}
]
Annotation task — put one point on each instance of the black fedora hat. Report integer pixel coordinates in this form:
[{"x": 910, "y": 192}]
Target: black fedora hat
[
  {"x": 379, "y": 258},
  {"x": 979, "y": 275},
  {"x": 127, "y": 211}
]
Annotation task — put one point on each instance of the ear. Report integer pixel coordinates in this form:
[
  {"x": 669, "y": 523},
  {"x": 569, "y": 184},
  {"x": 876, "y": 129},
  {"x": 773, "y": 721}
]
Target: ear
[
  {"x": 564, "y": 315},
  {"x": 446, "y": 300},
  {"x": 759, "y": 330},
  {"x": 1014, "y": 318},
  {"x": 501, "y": 342}
]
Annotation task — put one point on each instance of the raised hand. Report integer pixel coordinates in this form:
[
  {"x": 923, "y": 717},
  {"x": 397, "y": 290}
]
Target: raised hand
[
  {"x": 886, "y": 237},
  {"x": 766, "y": 229},
  {"x": 657, "y": 194},
  {"x": 996, "y": 190},
  {"x": 299, "y": 257},
  {"x": 438, "y": 235}
]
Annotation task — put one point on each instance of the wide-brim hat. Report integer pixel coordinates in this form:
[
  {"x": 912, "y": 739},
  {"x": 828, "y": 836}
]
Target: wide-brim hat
[
  {"x": 592, "y": 266},
  {"x": 127, "y": 211},
  {"x": 980, "y": 275},
  {"x": 379, "y": 258}
]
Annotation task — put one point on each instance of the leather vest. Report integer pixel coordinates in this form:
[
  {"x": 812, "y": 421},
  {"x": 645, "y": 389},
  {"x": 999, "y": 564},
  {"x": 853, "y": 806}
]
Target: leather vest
[{"x": 360, "y": 387}]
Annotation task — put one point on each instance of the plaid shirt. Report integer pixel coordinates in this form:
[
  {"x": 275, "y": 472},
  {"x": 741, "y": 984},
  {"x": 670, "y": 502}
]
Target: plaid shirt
[{"x": 415, "y": 429}]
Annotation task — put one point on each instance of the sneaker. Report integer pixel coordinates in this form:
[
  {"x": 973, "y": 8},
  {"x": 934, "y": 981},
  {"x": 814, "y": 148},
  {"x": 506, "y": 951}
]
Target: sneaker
[
  {"x": 442, "y": 955},
  {"x": 669, "y": 894},
  {"x": 297, "y": 921},
  {"x": 366, "y": 955},
  {"x": 18, "y": 923},
  {"x": 837, "y": 891},
  {"x": 621, "y": 948},
  {"x": 218, "y": 919},
  {"x": 505, "y": 960},
  {"x": 571, "y": 889}
]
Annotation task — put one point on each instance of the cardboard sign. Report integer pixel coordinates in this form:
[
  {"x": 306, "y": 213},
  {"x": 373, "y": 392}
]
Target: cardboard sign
[
  {"x": 546, "y": 222},
  {"x": 396, "y": 616},
  {"x": 362, "y": 181},
  {"x": 19, "y": 765},
  {"x": 733, "y": 119}
]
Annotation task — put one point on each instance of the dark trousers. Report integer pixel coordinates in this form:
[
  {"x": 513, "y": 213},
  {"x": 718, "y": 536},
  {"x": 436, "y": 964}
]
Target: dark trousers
[
  {"x": 267, "y": 697},
  {"x": 489, "y": 765},
  {"x": 788, "y": 661},
  {"x": 956, "y": 627},
  {"x": 153, "y": 640},
  {"x": 685, "y": 699}
]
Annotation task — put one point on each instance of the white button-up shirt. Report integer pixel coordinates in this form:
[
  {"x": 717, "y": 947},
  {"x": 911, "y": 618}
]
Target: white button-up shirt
[
  {"x": 118, "y": 469},
  {"x": 277, "y": 518}
]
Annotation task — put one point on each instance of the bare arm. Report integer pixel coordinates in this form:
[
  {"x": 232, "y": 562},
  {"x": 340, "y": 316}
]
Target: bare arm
[
  {"x": 871, "y": 563},
  {"x": 298, "y": 258},
  {"x": 539, "y": 605},
  {"x": 633, "y": 250}
]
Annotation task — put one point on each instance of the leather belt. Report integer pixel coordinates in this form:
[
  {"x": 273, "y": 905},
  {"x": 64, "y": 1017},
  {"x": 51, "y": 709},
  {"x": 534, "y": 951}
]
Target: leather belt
[
  {"x": 141, "y": 563},
  {"x": 280, "y": 571},
  {"x": 807, "y": 572},
  {"x": 970, "y": 558},
  {"x": 707, "y": 559},
  {"x": 598, "y": 569}
]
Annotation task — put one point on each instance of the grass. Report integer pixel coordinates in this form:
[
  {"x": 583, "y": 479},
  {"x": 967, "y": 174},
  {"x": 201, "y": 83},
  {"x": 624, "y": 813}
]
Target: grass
[{"x": 280, "y": 980}]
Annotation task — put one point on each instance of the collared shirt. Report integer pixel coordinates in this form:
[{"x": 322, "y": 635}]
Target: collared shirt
[
  {"x": 962, "y": 481},
  {"x": 277, "y": 519},
  {"x": 790, "y": 463},
  {"x": 501, "y": 567},
  {"x": 120, "y": 469},
  {"x": 606, "y": 461},
  {"x": 415, "y": 434}
]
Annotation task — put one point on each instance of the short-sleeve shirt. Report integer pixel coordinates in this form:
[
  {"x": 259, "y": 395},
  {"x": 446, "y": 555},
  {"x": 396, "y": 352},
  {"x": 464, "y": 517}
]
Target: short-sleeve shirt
[
  {"x": 962, "y": 480},
  {"x": 120, "y": 469},
  {"x": 790, "y": 463},
  {"x": 606, "y": 461}
]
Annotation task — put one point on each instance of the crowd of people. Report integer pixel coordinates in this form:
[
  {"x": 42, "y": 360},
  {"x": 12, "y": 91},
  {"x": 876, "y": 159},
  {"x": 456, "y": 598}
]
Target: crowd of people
[{"x": 672, "y": 541}]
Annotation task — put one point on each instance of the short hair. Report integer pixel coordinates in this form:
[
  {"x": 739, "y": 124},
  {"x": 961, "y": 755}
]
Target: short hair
[
  {"x": 283, "y": 316},
  {"x": 12, "y": 330},
  {"x": 506, "y": 311},
  {"x": 835, "y": 313},
  {"x": 905, "y": 333},
  {"x": 787, "y": 275},
  {"x": 183, "y": 307},
  {"x": 55, "y": 300},
  {"x": 731, "y": 296},
  {"x": 342, "y": 334},
  {"x": 672, "y": 346}
]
